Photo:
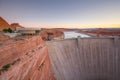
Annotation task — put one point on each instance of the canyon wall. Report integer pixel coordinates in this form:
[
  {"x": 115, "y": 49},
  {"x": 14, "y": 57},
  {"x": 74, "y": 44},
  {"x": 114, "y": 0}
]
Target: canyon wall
[
  {"x": 3, "y": 24},
  {"x": 25, "y": 59},
  {"x": 85, "y": 58}
]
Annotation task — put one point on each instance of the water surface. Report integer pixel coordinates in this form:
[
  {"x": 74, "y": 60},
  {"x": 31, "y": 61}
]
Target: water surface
[{"x": 74, "y": 35}]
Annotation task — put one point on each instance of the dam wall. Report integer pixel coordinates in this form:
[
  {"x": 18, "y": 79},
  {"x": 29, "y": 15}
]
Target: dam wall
[
  {"x": 85, "y": 58},
  {"x": 25, "y": 59}
]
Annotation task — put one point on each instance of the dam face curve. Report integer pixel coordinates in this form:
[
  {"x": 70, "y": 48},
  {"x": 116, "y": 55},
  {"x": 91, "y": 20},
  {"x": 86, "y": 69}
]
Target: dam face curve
[{"x": 85, "y": 58}]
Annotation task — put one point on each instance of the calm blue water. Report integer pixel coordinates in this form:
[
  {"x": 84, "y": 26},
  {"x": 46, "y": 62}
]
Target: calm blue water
[{"x": 74, "y": 35}]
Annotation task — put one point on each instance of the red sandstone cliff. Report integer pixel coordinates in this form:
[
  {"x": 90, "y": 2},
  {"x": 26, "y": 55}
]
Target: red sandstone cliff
[
  {"x": 55, "y": 34},
  {"x": 3, "y": 24},
  {"x": 25, "y": 59}
]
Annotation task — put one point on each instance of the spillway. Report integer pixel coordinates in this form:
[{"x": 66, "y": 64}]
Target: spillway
[{"x": 85, "y": 58}]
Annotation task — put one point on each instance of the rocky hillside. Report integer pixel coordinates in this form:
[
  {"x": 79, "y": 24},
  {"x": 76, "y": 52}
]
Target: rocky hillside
[
  {"x": 25, "y": 59},
  {"x": 3, "y": 24}
]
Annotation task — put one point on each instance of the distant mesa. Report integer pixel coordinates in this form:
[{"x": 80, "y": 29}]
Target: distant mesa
[
  {"x": 13, "y": 26},
  {"x": 4, "y": 25}
]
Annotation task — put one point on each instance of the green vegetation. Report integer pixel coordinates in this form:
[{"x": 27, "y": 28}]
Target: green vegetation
[
  {"x": 6, "y": 67},
  {"x": 7, "y": 30}
]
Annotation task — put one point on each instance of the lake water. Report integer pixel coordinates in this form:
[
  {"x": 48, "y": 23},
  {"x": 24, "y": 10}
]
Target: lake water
[{"x": 74, "y": 35}]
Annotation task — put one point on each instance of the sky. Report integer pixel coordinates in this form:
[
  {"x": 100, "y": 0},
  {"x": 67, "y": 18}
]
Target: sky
[{"x": 62, "y": 13}]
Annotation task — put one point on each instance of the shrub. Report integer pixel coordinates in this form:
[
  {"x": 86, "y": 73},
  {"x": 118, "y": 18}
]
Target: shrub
[
  {"x": 10, "y": 30},
  {"x": 6, "y": 67},
  {"x": 7, "y": 30}
]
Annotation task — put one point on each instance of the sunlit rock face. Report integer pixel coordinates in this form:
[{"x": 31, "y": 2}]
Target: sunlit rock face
[
  {"x": 25, "y": 59},
  {"x": 14, "y": 26},
  {"x": 3, "y": 24}
]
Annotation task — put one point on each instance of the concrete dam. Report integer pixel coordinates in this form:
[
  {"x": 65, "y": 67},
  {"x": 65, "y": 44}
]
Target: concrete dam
[
  {"x": 69, "y": 59},
  {"x": 85, "y": 58}
]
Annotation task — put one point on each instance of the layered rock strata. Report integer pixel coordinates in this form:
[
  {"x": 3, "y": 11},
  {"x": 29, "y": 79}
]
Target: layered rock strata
[{"x": 25, "y": 59}]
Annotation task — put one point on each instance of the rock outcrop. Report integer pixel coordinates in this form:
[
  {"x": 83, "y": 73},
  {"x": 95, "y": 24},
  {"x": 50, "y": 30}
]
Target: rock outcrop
[
  {"x": 54, "y": 34},
  {"x": 13, "y": 26},
  {"x": 3, "y": 38},
  {"x": 3, "y": 24},
  {"x": 25, "y": 59}
]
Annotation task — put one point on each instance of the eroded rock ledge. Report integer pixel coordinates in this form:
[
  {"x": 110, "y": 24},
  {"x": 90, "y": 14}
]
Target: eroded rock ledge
[{"x": 25, "y": 59}]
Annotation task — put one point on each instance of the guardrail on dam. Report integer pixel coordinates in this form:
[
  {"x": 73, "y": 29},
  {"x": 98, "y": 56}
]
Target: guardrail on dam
[{"x": 85, "y": 58}]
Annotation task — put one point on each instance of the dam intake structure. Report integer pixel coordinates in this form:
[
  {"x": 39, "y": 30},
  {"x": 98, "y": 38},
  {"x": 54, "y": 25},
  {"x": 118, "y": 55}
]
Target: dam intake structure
[{"x": 85, "y": 58}]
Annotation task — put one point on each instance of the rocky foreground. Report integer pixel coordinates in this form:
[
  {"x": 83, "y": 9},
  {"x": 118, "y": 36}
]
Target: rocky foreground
[{"x": 25, "y": 59}]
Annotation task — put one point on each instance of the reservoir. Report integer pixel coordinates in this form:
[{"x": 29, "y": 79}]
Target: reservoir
[{"x": 68, "y": 35}]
